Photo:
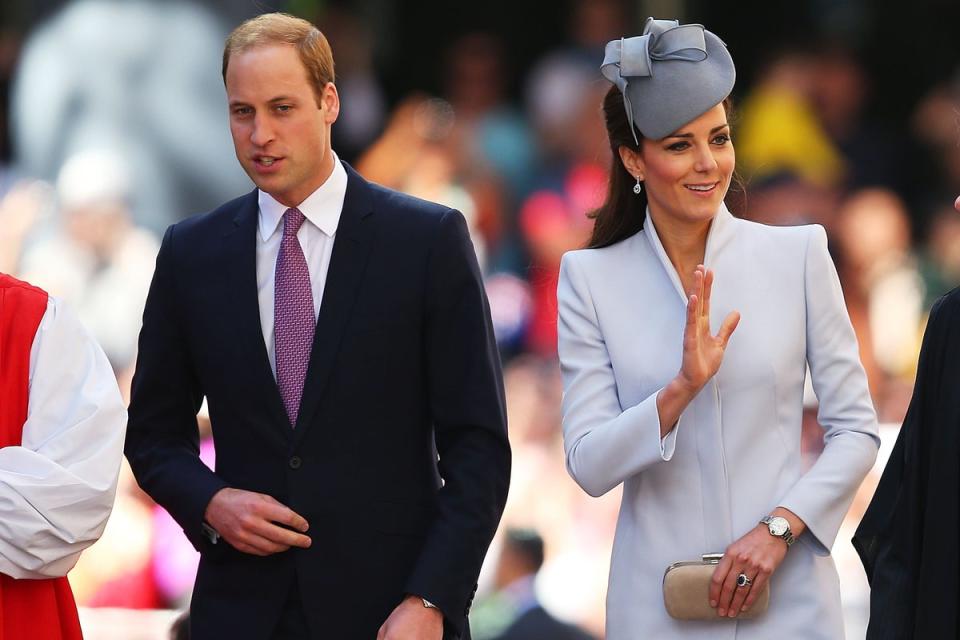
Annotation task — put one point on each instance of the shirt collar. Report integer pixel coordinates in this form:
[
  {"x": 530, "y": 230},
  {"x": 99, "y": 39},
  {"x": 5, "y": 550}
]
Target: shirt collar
[{"x": 322, "y": 207}]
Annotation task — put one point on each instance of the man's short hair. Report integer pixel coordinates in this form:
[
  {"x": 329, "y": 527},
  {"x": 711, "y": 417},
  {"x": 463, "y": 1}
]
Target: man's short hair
[
  {"x": 527, "y": 545},
  {"x": 282, "y": 28}
]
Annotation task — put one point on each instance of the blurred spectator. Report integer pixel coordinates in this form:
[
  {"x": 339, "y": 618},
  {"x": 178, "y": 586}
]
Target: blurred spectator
[
  {"x": 578, "y": 530},
  {"x": 490, "y": 142},
  {"x": 553, "y": 219},
  {"x": 840, "y": 90},
  {"x": 566, "y": 82},
  {"x": 180, "y": 629},
  {"x": 25, "y": 205},
  {"x": 514, "y": 612},
  {"x": 413, "y": 156},
  {"x": 363, "y": 118},
  {"x": 935, "y": 125},
  {"x": 9, "y": 52},
  {"x": 143, "y": 560},
  {"x": 883, "y": 289},
  {"x": 784, "y": 198},
  {"x": 139, "y": 77},
  {"x": 778, "y": 129},
  {"x": 554, "y": 222},
  {"x": 96, "y": 258},
  {"x": 941, "y": 254}
]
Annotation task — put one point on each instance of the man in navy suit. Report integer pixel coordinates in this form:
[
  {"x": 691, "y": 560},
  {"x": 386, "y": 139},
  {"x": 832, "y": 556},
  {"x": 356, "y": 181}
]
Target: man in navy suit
[{"x": 342, "y": 338}]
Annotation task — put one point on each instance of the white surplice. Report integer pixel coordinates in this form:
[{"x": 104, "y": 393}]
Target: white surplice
[{"x": 58, "y": 487}]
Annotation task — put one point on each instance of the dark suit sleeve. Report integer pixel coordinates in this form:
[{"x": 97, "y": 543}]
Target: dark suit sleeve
[
  {"x": 469, "y": 417},
  {"x": 162, "y": 435}
]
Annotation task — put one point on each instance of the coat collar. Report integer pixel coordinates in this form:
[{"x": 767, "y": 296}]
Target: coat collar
[{"x": 719, "y": 235}]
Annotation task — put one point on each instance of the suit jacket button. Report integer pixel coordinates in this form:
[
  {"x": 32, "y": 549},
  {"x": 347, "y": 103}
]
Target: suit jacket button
[{"x": 295, "y": 462}]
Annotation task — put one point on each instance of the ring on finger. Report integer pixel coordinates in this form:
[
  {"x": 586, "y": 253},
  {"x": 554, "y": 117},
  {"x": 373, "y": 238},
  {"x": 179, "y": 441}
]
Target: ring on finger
[{"x": 743, "y": 581}]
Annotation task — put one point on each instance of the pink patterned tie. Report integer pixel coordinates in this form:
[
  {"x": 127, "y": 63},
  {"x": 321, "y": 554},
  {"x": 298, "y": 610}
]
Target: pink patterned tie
[{"x": 294, "y": 321}]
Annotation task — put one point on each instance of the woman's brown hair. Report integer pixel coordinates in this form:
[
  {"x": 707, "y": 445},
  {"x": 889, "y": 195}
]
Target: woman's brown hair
[{"x": 622, "y": 212}]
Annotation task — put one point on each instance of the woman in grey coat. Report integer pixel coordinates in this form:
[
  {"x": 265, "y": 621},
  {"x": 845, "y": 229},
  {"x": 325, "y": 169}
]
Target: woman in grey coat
[{"x": 703, "y": 428}]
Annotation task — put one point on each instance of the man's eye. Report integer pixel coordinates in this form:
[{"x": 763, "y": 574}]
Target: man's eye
[
  {"x": 284, "y": 108},
  {"x": 242, "y": 111}
]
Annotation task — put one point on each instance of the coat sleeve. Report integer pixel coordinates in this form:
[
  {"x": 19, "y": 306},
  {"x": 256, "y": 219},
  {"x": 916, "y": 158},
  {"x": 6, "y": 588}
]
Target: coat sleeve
[
  {"x": 822, "y": 496},
  {"x": 604, "y": 443},
  {"x": 468, "y": 411},
  {"x": 57, "y": 487},
  {"x": 163, "y": 441}
]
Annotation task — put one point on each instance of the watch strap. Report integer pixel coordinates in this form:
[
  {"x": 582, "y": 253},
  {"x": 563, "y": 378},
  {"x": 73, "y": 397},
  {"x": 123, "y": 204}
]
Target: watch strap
[{"x": 787, "y": 536}]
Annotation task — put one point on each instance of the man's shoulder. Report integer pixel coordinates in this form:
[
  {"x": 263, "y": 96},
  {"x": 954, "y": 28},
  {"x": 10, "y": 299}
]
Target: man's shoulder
[
  {"x": 946, "y": 308},
  {"x": 217, "y": 220},
  {"x": 411, "y": 208}
]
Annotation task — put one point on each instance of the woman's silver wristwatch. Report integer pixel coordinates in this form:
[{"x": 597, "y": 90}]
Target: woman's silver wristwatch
[{"x": 779, "y": 528}]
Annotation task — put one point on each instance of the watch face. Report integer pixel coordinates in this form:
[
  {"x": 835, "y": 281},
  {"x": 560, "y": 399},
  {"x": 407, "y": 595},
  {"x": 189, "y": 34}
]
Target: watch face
[{"x": 778, "y": 526}]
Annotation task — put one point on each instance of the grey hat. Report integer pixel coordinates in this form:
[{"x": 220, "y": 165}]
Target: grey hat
[{"x": 669, "y": 76}]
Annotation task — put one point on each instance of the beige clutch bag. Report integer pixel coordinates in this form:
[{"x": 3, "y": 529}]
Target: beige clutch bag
[{"x": 686, "y": 590}]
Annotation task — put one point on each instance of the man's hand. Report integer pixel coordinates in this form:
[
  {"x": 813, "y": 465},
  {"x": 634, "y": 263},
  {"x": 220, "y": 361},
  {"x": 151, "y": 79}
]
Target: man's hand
[
  {"x": 250, "y": 522},
  {"x": 412, "y": 621}
]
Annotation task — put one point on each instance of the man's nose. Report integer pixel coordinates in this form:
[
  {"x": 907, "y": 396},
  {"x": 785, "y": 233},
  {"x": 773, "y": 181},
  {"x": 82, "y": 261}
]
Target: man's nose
[{"x": 262, "y": 132}]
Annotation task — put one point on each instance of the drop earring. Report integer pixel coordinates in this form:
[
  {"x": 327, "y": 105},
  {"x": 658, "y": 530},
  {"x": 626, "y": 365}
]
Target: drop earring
[{"x": 637, "y": 188}]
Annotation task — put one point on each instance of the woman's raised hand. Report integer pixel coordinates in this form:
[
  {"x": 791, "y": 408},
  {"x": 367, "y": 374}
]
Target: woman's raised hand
[{"x": 702, "y": 351}]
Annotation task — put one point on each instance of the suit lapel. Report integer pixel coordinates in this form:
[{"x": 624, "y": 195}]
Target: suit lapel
[
  {"x": 351, "y": 248},
  {"x": 240, "y": 242}
]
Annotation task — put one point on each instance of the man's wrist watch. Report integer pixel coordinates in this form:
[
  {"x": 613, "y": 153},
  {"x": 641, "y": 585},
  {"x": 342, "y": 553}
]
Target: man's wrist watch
[{"x": 779, "y": 527}]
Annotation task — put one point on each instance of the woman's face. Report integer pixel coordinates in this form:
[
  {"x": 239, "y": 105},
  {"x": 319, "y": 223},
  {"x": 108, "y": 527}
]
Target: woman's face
[{"x": 687, "y": 174}]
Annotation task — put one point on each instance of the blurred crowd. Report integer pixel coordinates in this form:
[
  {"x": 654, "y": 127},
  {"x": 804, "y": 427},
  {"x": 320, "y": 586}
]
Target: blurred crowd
[{"x": 110, "y": 139}]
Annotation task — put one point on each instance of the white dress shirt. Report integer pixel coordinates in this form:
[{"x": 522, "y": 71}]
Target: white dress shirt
[
  {"x": 322, "y": 210},
  {"x": 57, "y": 487}
]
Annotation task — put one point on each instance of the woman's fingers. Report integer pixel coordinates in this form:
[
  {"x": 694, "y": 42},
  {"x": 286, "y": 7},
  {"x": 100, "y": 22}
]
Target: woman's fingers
[
  {"x": 698, "y": 278},
  {"x": 707, "y": 290},
  {"x": 728, "y": 327},
  {"x": 719, "y": 575},
  {"x": 758, "y": 583},
  {"x": 728, "y": 591},
  {"x": 740, "y": 593}
]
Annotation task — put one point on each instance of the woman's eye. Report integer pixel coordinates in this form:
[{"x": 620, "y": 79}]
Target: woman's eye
[
  {"x": 678, "y": 146},
  {"x": 723, "y": 138}
]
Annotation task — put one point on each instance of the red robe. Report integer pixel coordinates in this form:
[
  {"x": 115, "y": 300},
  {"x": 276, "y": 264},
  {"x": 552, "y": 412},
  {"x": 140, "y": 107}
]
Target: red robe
[{"x": 29, "y": 609}]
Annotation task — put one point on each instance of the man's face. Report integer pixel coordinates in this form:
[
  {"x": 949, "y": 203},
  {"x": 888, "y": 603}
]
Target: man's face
[{"x": 280, "y": 133}]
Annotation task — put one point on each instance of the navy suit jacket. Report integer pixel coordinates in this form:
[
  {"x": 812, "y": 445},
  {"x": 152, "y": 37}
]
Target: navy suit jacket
[{"x": 399, "y": 459}]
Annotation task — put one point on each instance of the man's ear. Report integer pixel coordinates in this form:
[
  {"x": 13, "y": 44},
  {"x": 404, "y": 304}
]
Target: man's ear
[
  {"x": 632, "y": 161},
  {"x": 330, "y": 103}
]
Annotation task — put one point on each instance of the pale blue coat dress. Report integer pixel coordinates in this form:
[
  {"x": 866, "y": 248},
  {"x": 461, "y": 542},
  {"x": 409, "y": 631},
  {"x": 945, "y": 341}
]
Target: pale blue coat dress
[{"x": 735, "y": 453}]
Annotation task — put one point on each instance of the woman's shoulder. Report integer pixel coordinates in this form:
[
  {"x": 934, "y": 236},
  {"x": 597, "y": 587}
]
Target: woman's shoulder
[
  {"x": 785, "y": 233},
  {"x": 591, "y": 257},
  {"x": 780, "y": 240}
]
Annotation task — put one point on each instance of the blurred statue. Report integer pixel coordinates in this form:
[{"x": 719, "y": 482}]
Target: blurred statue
[{"x": 139, "y": 77}]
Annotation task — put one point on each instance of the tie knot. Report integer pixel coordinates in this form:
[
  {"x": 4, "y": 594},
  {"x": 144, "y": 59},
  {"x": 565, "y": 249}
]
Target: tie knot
[{"x": 292, "y": 219}]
